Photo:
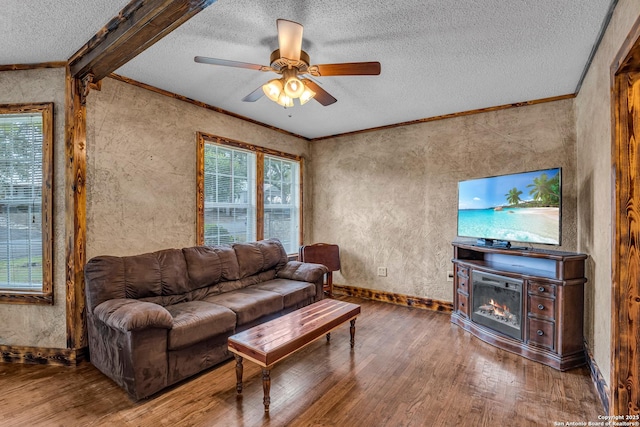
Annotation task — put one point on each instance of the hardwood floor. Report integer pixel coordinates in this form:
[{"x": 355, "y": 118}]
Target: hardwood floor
[{"x": 409, "y": 367}]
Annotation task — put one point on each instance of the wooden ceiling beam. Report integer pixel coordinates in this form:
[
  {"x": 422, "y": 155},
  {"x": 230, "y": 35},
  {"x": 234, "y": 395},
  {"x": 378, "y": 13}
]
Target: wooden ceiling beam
[{"x": 138, "y": 26}]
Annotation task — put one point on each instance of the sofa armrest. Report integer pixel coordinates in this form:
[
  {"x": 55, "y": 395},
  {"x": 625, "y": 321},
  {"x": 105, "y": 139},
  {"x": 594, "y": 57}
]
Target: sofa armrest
[
  {"x": 303, "y": 271},
  {"x": 130, "y": 315}
]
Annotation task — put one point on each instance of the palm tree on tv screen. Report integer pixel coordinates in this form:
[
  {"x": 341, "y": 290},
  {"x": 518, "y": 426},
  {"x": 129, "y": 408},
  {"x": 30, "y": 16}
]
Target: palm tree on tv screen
[
  {"x": 546, "y": 190},
  {"x": 513, "y": 196}
]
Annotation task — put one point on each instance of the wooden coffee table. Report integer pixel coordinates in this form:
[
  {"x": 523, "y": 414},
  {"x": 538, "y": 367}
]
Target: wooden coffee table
[{"x": 273, "y": 341}]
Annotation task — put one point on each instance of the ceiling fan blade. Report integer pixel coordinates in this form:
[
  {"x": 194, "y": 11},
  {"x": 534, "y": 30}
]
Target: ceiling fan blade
[
  {"x": 227, "y": 63},
  {"x": 254, "y": 96},
  {"x": 289, "y": 39},
  {"x": 322, "y": 96},
  {"x": 348, "y": 69}
]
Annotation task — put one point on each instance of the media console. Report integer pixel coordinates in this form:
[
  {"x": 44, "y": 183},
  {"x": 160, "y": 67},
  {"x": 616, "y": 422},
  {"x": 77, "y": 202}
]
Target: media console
[{"x": 526, "y": 301}]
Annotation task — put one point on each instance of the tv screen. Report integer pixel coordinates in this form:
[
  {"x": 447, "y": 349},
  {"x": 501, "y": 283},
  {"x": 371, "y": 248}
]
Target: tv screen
[{"x": 521, "y": 207}]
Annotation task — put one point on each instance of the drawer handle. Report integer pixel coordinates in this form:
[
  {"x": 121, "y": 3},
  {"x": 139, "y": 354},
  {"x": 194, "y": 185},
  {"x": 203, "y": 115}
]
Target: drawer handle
[
  {"x": 462, "y": 304},
  {"x": 540, "y": 288},
  {"x": 540, "y": 307},
  {"x": 540, "y": 332}
]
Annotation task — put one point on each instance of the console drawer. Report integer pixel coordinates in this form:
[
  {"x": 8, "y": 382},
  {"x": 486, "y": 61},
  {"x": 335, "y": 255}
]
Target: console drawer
[
  {"x": 541, "y": 333},
  {"x": 542, "y": 307},
  {"x": 462, "y": 276},
  {"x": 463, "y": 304},
  {"x": 541, "y": 288}
]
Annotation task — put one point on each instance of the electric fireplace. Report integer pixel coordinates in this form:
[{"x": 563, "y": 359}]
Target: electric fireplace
[
  {"x": 497, "y": 303},
  {"x": 526, "y": 301}
]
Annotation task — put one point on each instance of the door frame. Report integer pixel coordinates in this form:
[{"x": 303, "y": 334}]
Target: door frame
[{"x": 625, "y": 253}]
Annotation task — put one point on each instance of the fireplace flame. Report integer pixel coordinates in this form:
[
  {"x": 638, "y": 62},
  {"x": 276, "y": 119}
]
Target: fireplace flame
[
  {"x": 500, "y": 310},
  {"x": 497, "y": 310}
]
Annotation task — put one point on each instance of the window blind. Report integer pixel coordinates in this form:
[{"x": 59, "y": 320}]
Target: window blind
[
  {"x": 229, "y": 195},
  {"x": 21, "y": 142},
  {"x": 282, "y": 201}
]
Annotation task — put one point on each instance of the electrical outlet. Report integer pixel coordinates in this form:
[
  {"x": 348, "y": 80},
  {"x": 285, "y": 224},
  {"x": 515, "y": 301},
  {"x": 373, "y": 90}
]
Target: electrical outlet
[
  {"x": 449, "y": 276},
  {"x": 382, "y": 271}
]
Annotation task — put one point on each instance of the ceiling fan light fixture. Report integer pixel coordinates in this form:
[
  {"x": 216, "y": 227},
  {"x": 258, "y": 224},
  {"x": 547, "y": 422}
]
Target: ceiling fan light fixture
[
  {"x": 293, "y": 87},
  {"x": 273, "y": 89},
  {"x": 285, "y": 100},
  {"x": 307, "y": 95},
  {"x": 291, "y": 62}
]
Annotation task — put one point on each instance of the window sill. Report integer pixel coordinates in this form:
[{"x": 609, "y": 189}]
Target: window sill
[{"x": 39, "y": 298}]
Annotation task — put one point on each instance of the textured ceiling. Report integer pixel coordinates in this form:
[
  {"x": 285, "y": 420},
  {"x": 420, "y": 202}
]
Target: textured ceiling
[
  {"x": 50, "y": 30},
  {"x": 438, "y": 57}
]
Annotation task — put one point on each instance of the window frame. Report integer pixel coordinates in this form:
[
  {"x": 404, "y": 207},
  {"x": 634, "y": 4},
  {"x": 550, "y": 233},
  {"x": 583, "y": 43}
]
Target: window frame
[
  {"x": 204, "y": 138},
  {"x": 45, "y": 296}
]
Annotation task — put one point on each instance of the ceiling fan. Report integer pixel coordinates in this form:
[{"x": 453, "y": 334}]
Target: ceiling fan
[{"x": 293, "y": 64}]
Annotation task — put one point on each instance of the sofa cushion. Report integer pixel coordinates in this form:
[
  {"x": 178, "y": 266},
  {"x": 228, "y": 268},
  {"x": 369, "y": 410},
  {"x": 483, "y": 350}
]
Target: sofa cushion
[
  {"x": 139, "y": 276},
  {"x": 249, "y": 303},
  {"x": 104, "y": 278},
  {"x": 142, "y": 276},
  {"x": 208, "y": 265},
  {"x": 195, "y": 321},
  {"x": 157, "y": 273},
  {"x": 273, "y": 252},
  {"x": 174, "y": 279},
  {"x": 250, "y": 259},
  {"x": 292, "y": 291},
  {"x": 259, "y": 256}
]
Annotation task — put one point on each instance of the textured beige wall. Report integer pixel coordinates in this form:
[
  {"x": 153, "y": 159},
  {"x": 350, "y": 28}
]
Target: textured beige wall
[
  {"x": 389, "y": 197},
  {"x": 37, "y": 325},
  {"x": 141, "y": 167},
  {"x": 593, "y": 130}
]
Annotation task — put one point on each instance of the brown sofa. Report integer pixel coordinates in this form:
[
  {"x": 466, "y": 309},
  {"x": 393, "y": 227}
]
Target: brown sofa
[{"x": 157, "y": 318}]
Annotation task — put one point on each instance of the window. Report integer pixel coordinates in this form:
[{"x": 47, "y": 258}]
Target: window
[
  {"x": 229, "y": 195},
  {"x": 26, "y": 173},
  {"x": 282, "y": 201},
  {"x": 247, "y": 193}
]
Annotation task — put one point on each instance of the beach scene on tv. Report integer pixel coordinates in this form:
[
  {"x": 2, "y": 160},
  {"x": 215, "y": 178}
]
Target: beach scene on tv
[{"x": 522, "y": 207}]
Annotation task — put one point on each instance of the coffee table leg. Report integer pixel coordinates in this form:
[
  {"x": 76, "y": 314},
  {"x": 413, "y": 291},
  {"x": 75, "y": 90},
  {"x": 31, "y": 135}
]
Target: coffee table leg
[
  {"x": 238, "y": 373},
  {"x": 266, "y": 386},
  {"x": 352, "y": 329}
]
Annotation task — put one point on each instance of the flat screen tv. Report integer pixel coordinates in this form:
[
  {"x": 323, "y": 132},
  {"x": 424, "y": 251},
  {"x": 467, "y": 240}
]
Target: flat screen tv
[{"x": 521, "y": 207}]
